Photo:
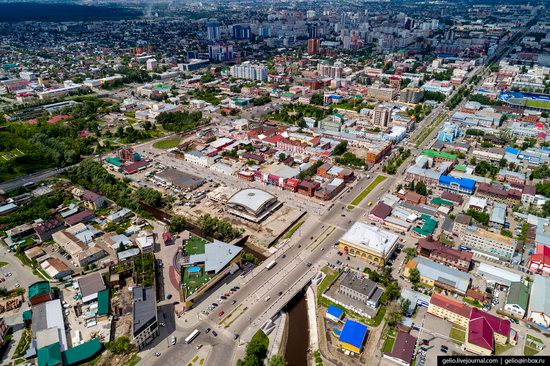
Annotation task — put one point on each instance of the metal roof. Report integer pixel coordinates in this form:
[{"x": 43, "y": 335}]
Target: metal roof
[
  {"x": 353, "y": 333},
  {"x": 371, "y": 238},
  {"x": 252, "y": 200},
  {"x": 540, "y": 295},
  {"x": 442, "y": 273}
]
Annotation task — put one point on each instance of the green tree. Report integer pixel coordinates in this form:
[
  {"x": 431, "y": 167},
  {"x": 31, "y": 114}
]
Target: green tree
[
  {"x": 177, "y": 224},
  {"x": 414, "y": 275},
  {"x": 405, "y": 304},
  {"x": 316, "y": 99},
  {"x": 121, "y": 345},
  {"x": 277, "y": 360},
  {"x": 340, "y": 148},
  {"x": 421, "y": 188}
]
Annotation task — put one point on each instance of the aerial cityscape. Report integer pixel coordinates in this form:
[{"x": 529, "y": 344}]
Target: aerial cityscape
[{"x": 299, "y": 183}]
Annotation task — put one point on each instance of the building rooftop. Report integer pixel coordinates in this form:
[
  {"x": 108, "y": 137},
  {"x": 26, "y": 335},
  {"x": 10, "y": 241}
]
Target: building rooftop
[
  {"x": 370, "y": 238},
  {"x": 540, "y": 295},
  {"x": 441, "y": 273},
  {"x": 450, "y": 305},
  {"x": 91, "y": 284},
  {"x": 353, "y": 333},
  {"x": 252, "y": 200},
  {"x": 518, "y": 294},
  {"x": 145, "y": 308},
  {"x": 403, "y": 348}
]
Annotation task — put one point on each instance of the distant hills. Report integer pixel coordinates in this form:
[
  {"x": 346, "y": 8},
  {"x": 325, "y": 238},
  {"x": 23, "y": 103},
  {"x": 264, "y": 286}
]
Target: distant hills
[{"x": 56, "y": 12}]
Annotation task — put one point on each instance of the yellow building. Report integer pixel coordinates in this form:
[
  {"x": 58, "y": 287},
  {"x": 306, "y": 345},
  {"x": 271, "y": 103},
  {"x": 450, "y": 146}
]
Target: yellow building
[
  {"x": 369, "y": 243},
  {"x": 450, "y": 310},
  {"x": 353, "y": 336}
]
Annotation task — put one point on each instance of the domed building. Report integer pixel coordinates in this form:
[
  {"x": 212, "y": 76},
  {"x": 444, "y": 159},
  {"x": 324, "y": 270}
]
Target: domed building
[{"x": 252, "y": 204}]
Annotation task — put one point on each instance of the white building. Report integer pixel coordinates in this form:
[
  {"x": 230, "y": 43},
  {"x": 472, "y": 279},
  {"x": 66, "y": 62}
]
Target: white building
[
  {"x": 249, "y": 71},
  {"x": 198, "y": 158}
]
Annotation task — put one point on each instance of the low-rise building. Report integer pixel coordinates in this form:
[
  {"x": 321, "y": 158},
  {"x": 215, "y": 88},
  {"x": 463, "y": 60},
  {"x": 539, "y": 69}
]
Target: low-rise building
[
  {"x": 436, "y": 251},
  {"x": 403, "y": 349},
  {"x": 369, "y": 243},
  {"x": 487, "y": 243},
  {"x": 539, "y": 306},
  {"x": 144, "y": 315},
  {"x": 517, "y": 300},
  {"x": 438, "y": 275},
  {"x": 450, "y": 310},
  {"x": 361, "y": 289}
]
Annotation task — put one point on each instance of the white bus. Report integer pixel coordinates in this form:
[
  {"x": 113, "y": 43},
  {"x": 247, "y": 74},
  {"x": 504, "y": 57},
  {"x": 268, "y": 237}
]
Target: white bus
[
  {"x": 271, "y": 265},
  {"x": 192, "y": 336}
]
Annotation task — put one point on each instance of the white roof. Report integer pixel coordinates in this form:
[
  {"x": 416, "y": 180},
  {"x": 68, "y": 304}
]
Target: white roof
[
  {"x": 216, "y": 255},
  {"x": 251, "y": 198},
  {"x": 477, "y": 202},
  {"x": 497, "y": 275},
  {"x": 371, "y": 238}
]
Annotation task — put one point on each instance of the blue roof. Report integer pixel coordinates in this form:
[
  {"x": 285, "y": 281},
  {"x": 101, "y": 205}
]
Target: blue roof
[
  {"x": 335, "y": 311},
  {"x": 462, "y": 182},
  {"x": 511, "y": 150},
  {"x": 336, "y": 331},
  {"x": 353, "y": 333}
]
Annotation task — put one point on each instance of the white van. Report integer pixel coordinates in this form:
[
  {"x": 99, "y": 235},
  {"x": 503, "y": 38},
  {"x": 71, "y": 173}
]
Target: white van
[{"x": 267, "y": 298}]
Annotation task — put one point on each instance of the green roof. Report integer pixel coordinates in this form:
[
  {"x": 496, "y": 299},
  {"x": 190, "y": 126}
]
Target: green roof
[
  {"x": 103, "y": 302},
  {"x": 288, "y": 95},
  {"x": 429, "y": 226},
  {"x": 438, "y": 201},
  {"x": 42, "y": 287},
  {"x": 27, "y": 315},
  {"x": 518, "y": 294},
  {"x": 438, "y": 154},
  {"x": 49, "y": 355},
  {"x": 460, "y": 168},
  {"x": 114, "y": 160},
  {"x": 162, "y": 86},
  {"x": 81, "y": 353}
]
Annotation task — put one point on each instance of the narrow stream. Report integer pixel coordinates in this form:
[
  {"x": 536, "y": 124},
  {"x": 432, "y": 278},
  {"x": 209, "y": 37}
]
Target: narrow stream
[{"x": 298, "y": 331}]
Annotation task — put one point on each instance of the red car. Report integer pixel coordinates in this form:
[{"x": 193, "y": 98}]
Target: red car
[{"x": 221, "y": 313}]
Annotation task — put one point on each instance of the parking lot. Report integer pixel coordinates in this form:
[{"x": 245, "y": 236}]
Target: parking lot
[{"x": 434, "y": 338}]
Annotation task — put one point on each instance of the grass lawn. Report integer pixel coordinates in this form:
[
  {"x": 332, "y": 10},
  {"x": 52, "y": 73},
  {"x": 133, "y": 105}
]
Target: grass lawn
[
  {"x": 501, "y": 348},
  {"x": 195, "y": 281},
  {"x": 388, "y": 343},
  {"x": 134, "y": 360},
  {"x": 458, "y": 334},
  {"x": 330, "y": 277},
  {"x": 537, "y": 103},
  {"x": 194, "y": 245},
  {"x": 292, "y": 230},
  {"x": 2, "y": 264},
  {"x": 167, "y": 143},
  {"x": 361, "y": 196}
]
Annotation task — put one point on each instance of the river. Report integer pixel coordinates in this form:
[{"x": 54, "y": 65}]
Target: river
[{"x": 298, "y": 331}]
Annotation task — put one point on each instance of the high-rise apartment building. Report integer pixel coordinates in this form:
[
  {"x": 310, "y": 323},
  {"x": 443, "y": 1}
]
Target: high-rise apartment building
[
  {"x": 313, "y": 46},
  {"x": 335, "y": 71},
  {"x": 410, "y": 95},
  {"x": 381, "y": 116},
  {"x": 213, "y": 30},
  {"x": 240, "y": 32},
  {"x": 246, "y": 70},
  {"x": 220, "y": 52}
]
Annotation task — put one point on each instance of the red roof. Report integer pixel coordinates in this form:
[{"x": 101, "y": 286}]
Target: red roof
[
  {"x": 481, "y": 327},
  {"x": 273, "y": 139},
  {"x": 59, "y": 118},
  {"x": 450, "y": 305},
  {"x": 541, "y": 256}
]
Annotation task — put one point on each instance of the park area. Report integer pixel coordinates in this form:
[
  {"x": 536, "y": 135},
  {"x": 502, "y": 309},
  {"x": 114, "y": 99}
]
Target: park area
[
  {"x": 167, "y": 143},
  {"x": 194, "y": 277}
]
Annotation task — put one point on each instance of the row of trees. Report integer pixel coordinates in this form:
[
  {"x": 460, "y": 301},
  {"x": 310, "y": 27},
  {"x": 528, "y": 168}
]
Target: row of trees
[
  {"x": 294, "y": 113},
  {"x": 216, "y": 228}
]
